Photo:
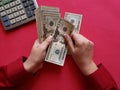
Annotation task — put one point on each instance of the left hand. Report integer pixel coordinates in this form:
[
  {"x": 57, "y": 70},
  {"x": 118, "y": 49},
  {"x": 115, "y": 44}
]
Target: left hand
[{"x": 37, "y": 56}]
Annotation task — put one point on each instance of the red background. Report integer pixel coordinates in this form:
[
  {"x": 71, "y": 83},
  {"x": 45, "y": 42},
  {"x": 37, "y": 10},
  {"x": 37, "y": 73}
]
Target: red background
[{"x": 101, "y": 24}]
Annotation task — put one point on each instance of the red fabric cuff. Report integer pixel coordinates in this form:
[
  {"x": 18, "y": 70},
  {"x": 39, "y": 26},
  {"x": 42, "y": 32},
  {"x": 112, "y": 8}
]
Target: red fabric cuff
[
  {"x": 102, "y": 78},
  {"x": 16, "y": 72}
]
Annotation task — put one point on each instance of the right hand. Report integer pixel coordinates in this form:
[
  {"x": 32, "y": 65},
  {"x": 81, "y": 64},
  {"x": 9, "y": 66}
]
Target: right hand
[{"x": 82, "y": 52}]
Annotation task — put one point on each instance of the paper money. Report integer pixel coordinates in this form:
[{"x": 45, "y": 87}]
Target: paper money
[
  {"x": 57, "y": 50},
  {"x": 47, "y": 19},
  {"x": 75, "y": 19},
  {"x": 49, "y": 22}
]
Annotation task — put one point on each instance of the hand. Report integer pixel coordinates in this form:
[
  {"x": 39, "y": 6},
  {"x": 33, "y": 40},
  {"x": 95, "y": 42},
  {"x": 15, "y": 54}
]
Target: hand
[
  {"x": 37, "y": 56},
  {"x": 82, "y": 52}
]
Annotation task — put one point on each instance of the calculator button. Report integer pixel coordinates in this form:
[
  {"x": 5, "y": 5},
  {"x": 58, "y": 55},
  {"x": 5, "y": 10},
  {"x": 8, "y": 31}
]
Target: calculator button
[
  {"x": 28, "y": 12},
  {"x": 14, "y": 9},
  {"x": 5, "y": 1},
  {"x": 1, "y": 3},
  {"x": 7, "y": 23},
  {"x": 12, "y": 4},
  {"x": 13, "y": 21},
  {"x": 3, "y": 13},
  {"x": 31, "y": 2},
  {"x": 22, "y": 12},
  {"x": 11, "y": 16},
  {"x": 18, "y": 19},
  {"x": 5, "y": 18},
  {"x": 16, "y": 14},
  {"x": 24, "y": 17},
  {"x": 33, "y": 7},
  {"x": 25, "y": 4},
  {"x": 9, "y": 11},
  {"x": 1, "y": 8},
  {"x": 17, "y": 2},
  {"x": 19, "y": 7},
  {"x": 7, "y": 6}
]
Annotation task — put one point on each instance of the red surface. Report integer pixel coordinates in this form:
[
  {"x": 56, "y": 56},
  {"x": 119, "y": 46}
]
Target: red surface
[{"x": 101, "y": 19}]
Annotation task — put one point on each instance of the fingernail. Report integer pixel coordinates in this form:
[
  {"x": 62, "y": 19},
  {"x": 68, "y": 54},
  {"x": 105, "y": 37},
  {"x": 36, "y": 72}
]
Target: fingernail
[
  {"x": 50, "y": 37},
  {"x": 65, "y": 35}
]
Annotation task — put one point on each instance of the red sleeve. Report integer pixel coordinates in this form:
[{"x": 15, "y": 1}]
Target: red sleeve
[
  {"x": 13, "y": 74},
  {"x": 102, "y": 80}
]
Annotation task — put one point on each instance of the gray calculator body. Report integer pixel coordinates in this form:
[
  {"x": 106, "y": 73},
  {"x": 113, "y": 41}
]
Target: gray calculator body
[{"x": 14, "y": 13}]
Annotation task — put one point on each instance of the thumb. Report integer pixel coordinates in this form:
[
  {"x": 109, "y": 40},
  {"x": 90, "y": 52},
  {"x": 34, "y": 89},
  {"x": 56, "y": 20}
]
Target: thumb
[
  {"x": 47, "y": 41},
  {"x": 69, "y": 42}
]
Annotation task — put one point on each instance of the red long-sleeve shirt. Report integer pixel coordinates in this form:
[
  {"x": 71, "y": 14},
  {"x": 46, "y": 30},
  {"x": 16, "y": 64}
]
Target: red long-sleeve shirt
[{"x": 14, "y": 72}]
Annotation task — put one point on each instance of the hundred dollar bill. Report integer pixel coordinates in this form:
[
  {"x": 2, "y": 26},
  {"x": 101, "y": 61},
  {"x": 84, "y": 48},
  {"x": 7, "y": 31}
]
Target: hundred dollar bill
[
  {"x": 46, "y": 20},
  {"x": 57, "y": 50},
  {"x": 75, "y": 19}
]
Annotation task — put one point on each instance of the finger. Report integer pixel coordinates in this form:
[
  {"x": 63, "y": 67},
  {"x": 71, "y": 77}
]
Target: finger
[
  {"x": 36, "y": 43},
  {"x": 47, "y": 42},
  {"x": 69, "y": 42},
  {"x": 78, "y": 38}
]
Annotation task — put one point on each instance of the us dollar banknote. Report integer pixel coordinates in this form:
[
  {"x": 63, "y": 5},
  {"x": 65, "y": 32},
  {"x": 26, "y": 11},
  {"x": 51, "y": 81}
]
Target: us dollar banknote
[
  {"x": 46, "y": 20},
  {"x": 57, "y": 50},
  {"x": 75, "y": 19}
]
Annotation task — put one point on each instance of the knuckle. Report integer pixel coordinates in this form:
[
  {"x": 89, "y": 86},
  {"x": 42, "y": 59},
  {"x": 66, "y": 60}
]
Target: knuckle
[{"x": 91, "y": 44}]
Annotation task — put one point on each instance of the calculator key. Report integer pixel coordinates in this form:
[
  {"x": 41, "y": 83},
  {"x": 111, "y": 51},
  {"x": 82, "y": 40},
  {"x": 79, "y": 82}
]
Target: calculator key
[
  {"x": 33, "y": 13},
  {"x": 31, "y": 2},
  {"x": 24, "y": 17},
  {"x": 5, "y": 1},
  {"x": 5, "y": 18},
  {"x": 3, "y": 13},
  {"x": 18, "y": 19},
  {"x": 25, "y": 4},
  {"x": 7, "y": 23},
  {"x": 17, "y": 2},
  {"x": 9, "y": 1},
  {"x": 11, "y": 16},
  {"x": 33, "y": 7},
  {"x": 29, "y": 14},
  {"x": 16, "y": 14},
  {"x": 7, "y": 6},
  {"x": 13, "y": 21},
  {"x": 14, "y": 9},
  {"x": 22, "y": 12},
  {"x": 9, "y": 11},
  {"x": 1, "y": 3},
  {"x": 1, "y": 8},
  {"x": 19, "y": 7},
  {"x": 12, "y": 4}
]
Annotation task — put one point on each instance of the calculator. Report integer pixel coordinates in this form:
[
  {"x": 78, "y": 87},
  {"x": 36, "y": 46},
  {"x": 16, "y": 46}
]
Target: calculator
[{"x": 14, "y": 13}]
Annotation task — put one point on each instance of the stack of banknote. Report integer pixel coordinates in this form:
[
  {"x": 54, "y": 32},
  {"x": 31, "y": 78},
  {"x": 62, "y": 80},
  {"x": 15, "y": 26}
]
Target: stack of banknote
[{"x": 49, "y": 22}]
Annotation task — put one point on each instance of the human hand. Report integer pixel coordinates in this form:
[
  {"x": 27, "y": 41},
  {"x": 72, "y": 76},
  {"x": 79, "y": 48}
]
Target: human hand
[
  {"x": 82, "y": 52},
  {"x": 37, "y": 56}
]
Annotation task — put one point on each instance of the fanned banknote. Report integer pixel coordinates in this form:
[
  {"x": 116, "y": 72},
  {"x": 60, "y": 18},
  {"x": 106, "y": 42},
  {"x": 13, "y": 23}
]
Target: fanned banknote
[
  {"x": 46, "y": 20},
  {"x": 75, "y": 19},
  {"x": 57, "y": 50}
]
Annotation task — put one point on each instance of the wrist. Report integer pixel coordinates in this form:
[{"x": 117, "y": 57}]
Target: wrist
[
  {"x": 89, "y": 68},
  {"x": 30, "y": 66}
]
